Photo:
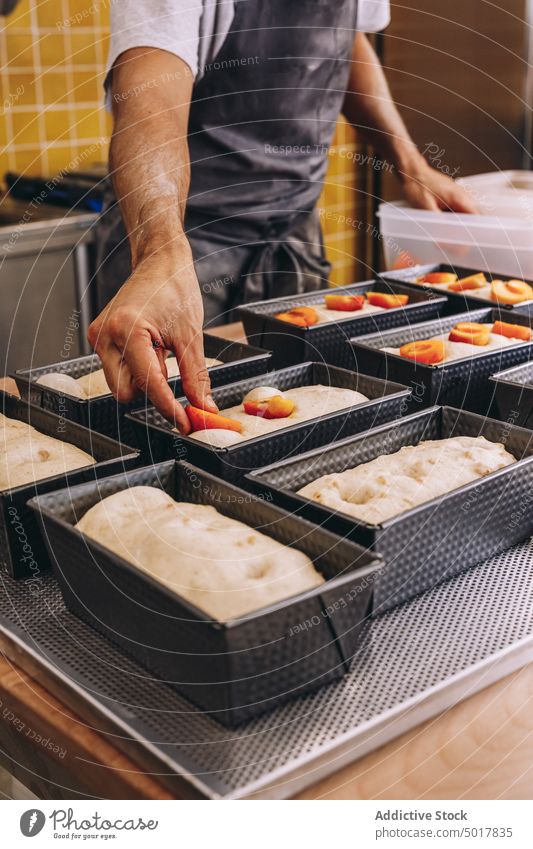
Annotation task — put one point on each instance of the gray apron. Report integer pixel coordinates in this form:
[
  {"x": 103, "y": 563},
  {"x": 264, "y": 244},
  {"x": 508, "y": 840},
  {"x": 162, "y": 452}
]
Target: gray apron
[{"x": 260, "y": 128}]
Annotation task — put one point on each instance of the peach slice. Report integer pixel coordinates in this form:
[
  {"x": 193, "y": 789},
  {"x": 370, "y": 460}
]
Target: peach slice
[
  {"x": 276, "y": 407},
  {"x": 346, "y": 303},
  {"x": 471, "y": 333},
  {"x": 203, "y": 420},
  {"x": 427, "y": 351},
  {"x": 434, "y": 277},
  {"x": 511, "y": 291},
  {"x": 386, "y": 300},
  {"x": 475, "y": 281},
  {"x": 512, "y": 331},
  {"x": 301, "y": 316}
]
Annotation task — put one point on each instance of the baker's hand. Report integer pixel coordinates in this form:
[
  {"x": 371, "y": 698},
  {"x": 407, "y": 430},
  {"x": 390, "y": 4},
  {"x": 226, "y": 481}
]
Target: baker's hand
[
  {"x": 426, "y": 188},
  {"x": 158, "y": 310}
]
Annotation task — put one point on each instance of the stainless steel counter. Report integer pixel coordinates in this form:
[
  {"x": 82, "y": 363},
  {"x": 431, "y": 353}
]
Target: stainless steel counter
[{"x": 44, "y": 283}]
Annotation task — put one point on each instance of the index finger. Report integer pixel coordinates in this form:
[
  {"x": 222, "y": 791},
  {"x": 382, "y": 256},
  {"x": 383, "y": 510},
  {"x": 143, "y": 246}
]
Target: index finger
[
  {"x": 145, "y": 367},
  {"x": 193, "y": 372}
]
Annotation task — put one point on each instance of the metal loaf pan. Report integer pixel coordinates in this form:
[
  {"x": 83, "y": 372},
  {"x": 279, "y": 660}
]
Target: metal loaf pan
[
  {"x": 327, "y": 342},
  {"x": 459, "y": 383},
  {"x": 456, "y": 301},
  {"x": 514, "y": 394},
  {"x": 22, "y": 553},
  {"x": 103, "y": 414},
  {"x": 233, "y": 670},
  {"x": 436, "y": 540},
  {"x": 159, "y": 441}
]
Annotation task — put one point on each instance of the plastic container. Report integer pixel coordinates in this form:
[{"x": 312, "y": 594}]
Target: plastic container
[
  {"x": 387, "y": 401},
  {"x": 438, "y": 539},
  {"x": 502, "y": 193},
  {"x": 327, "y": 342},
  {"x": 233, "y": 670},
  {"x": 22, "y": 553},
  {"x": 103, "y": 414},
  {"x": 456, "y": 301},
  {"x": 457, "y": 383},
  {"x": 486, "y": 243},
  {"x": 514, "y": 394}
]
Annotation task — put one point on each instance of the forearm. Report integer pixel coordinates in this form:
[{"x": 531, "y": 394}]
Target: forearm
[
  {"x": 149, "y": 156},
  {"x": 369, "y": 107}
]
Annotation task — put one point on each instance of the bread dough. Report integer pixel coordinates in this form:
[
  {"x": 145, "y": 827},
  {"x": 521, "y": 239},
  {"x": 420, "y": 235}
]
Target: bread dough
[
  {"x": 94, "y": 384},
  {"x": 460, "y": 350},
  {"x": 392, "y": 483},
  {"x": 26, "y": 455},
  {"x": 311, "y": 402},
  {"x": 325, "y": 315},
  {"x": 224, "y": 567}
]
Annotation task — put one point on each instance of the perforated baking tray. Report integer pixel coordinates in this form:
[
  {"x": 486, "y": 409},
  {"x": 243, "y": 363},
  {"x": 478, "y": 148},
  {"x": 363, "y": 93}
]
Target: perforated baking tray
[
  {"x": 159, "y": 442},
  {"x": 233, "y": 670},
  {"x": 414, "y": 662},
  {"x": 327, "y": 342},
  {"x": 514, "y": 394},
  {"x": 456, "y": 301},
  {"x": 103, "y": 414},
  {"x": 458, "y": 383},
  {"x": 432, "y": 542},
  {"x": 21, "y": 551}
]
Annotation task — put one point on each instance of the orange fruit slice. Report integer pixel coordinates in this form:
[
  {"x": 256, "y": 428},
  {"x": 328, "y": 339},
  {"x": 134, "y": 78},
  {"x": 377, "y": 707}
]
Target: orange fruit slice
[
  {"x": 386, "y": 300},
  {"x": 276, "y": 407},
  {"x": 347, "y": 303},
  {"x": 475, "y": 281},
  {"x": 437, "y": 277},
  {"x": 428, "y": 351},
  {"x": 301, "y": 316},
  {"x": 512, "y": 331},
  {"x": 203, "y": 420},
  {"x": 470, "y": 332},
  {"x": 511, "y": 291}
]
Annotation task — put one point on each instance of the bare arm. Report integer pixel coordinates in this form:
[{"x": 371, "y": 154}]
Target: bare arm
[
  {"x": 369, "y": 107},
  {"x": 159, "y": 308}
]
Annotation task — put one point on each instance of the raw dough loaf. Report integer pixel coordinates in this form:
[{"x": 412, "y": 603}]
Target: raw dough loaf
[
  {"x": 311, "y": 402},
  {"x": 392, "y": 483},
  {"x": 27, "y": 455},
  {"x": 224, "y": 567},
  {"x": 460, "y": 350},
  {"x": 325, "y": 315},
  {"x": 94, "y": 384}
]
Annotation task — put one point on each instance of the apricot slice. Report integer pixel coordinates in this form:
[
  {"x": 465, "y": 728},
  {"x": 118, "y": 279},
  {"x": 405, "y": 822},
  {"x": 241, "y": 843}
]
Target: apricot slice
[
  {"x": 347, "y": 303},
  {"x": 475, "y": 281},
  {"x": 437, "y": 277},
  {"x": 470, "y": 332},
  {"x": 203, "y": 420},
  {"x": 428, "y": 351},
  {"x": 386, "y": 300},
  {"x": 301, "y": 316},
  {"x": 511, "y": 291},
  {"x": 512, "y": 331},
  {"x": 276, "y": 407}
]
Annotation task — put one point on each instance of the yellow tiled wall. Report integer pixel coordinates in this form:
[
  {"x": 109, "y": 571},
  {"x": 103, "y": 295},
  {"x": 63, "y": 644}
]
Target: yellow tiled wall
[
  {"x": 52, "y": 119},
  {"x": 53, "y": 55}
]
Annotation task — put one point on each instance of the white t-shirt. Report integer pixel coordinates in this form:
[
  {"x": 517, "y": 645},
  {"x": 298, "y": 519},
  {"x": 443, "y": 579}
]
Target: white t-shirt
[{"x": 195, "y": 30}]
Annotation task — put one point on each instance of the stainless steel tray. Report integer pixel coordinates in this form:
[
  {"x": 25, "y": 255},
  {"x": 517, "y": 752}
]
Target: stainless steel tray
[{"x": 415, "y": 662}]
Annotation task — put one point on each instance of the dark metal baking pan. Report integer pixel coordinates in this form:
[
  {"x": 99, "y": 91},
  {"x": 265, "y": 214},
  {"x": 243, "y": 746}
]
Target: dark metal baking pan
[
  {"x": 327, "y": 342},
  {"x": 22, "y": 553},
  {"x": 458, "y": 383},
  {"x": 234, "y": 670},
  {"x": 436, "y": 540},
  {"x": 514, "y": 394},
  {"x": 103, "y": 414},
  {"x": 159, "y": 441},
  {"x": 456, "y": 301}
]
